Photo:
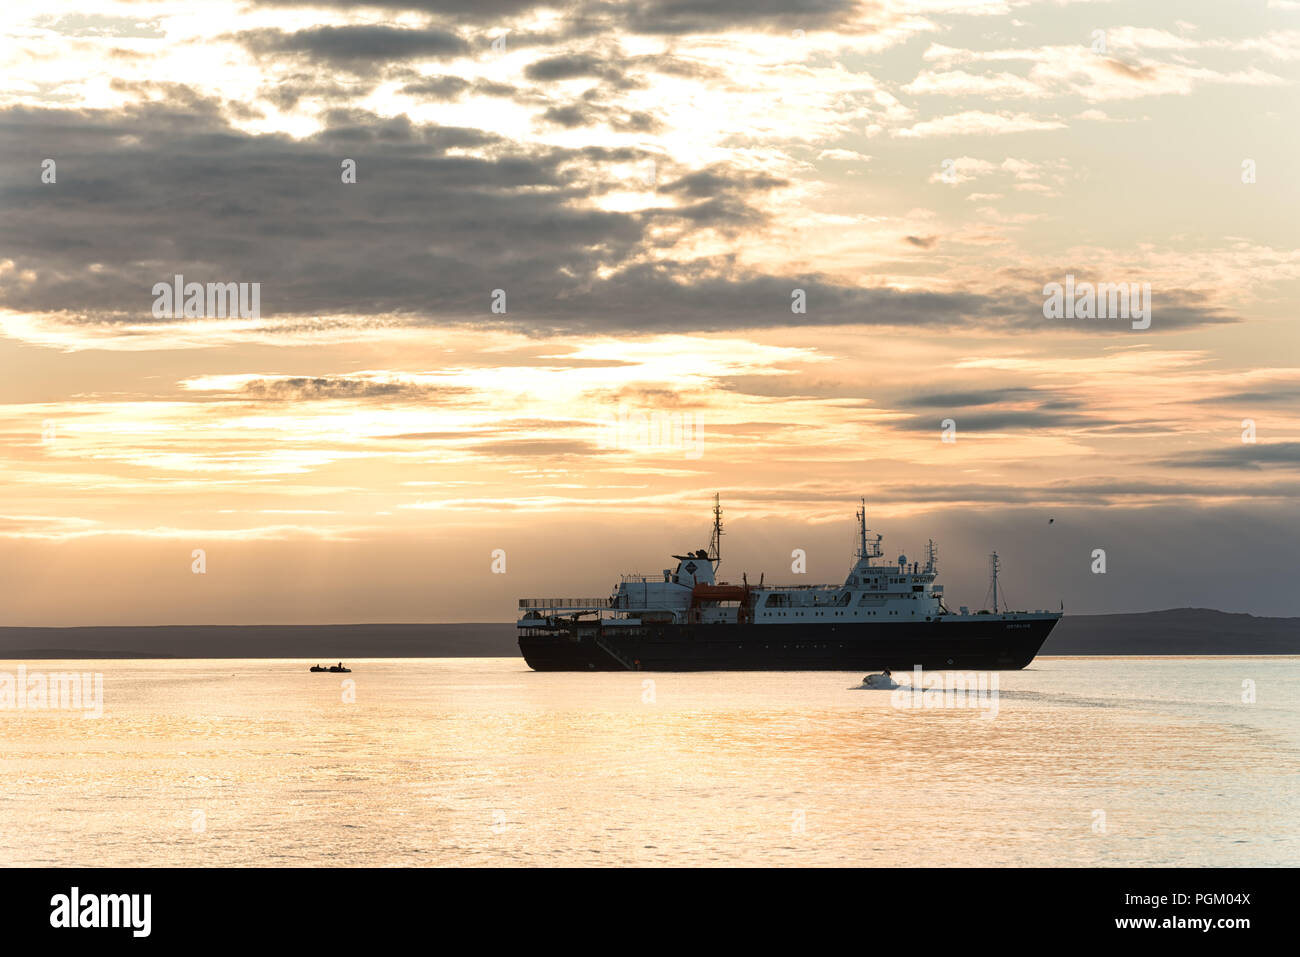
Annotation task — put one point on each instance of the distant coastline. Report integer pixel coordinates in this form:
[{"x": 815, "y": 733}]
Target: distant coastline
[{"x": 1180, "y": 631}]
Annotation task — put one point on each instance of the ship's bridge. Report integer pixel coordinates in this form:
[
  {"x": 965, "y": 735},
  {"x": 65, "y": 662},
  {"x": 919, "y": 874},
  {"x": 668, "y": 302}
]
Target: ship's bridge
[
  {"x": 692, "y": 569},
  {"x": 912, "y": 576},
  {"x": 871, "y": 590}
]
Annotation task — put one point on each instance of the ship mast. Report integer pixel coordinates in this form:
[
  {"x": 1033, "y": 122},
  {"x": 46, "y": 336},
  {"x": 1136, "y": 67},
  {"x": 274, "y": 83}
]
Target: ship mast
[
  {"x": 993, "y": 584},
  {"x": 865, "y": 552},
  {"x": 715, "y": 544}
]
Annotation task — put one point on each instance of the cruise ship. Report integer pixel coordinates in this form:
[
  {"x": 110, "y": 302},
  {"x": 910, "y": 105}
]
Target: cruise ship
[{"x": 884, "y": 616}]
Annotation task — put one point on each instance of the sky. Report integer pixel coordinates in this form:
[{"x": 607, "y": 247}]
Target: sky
[{"x": 536, "y": 280}]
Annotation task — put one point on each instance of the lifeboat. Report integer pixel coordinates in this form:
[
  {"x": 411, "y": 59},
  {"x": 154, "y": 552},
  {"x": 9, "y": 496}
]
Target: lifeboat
[{"x": 722, "y": 592}]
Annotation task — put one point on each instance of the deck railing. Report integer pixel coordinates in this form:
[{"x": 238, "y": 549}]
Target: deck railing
[{"x": 564, "y": 603}]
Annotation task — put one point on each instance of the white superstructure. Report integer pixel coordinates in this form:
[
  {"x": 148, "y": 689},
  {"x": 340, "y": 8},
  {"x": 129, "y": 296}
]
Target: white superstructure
[{"x": 689, "y": 593}]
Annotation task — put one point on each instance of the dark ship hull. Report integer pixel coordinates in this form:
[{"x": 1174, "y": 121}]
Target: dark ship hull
[{"x": 966, "y": 642}]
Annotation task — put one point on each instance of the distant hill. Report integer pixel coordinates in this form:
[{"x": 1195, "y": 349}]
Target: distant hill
[{"x": 1179, "y": 631}]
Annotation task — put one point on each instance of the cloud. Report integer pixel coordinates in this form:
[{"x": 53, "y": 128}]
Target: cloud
[
  {"x": 1075, "y": 70},
  {"x": 709, "y": 183},
  {"x": 1281, "y": 393},
  {"x": 101, "y": 25},
  {"x": 979, "y": 123},
  {"x": 964, "y": 169},
  {"x": 536, "y": 448},
  {"x": 359, "y": 46},
  {"x": 973, "y": 397},
  {"x": 423, "y": 233},
  {"x": 1009, "y": 420},
  {"x": 569, "y": 66},
  {"x": 848, "y": 156},
  {"x": 648, "y": 17},
  {"x": 438, "y": 87},
  {"x": 1247, "y": 456},
  {"x": 584, "y": 113},
  {"x": 960, "y": 83},
  {"x": 442, "y": 215},
  {"x": 308, "y": 388}
]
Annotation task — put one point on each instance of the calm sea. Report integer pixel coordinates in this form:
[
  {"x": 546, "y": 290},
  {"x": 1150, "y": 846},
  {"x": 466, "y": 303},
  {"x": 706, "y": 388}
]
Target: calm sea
[{"x": 482, "y": 762}]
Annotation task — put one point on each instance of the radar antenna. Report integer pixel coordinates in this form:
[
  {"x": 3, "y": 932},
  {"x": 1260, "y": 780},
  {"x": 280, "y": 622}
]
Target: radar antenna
[
  {"x": 994, "y": 565},
  {"x": 866, "y": 551},
  {"x": 715, "y": 544}
]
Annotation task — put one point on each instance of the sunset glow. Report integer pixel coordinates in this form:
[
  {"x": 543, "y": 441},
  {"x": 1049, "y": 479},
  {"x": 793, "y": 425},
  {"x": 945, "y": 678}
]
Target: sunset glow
[{"x": 650, "y": 189}]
